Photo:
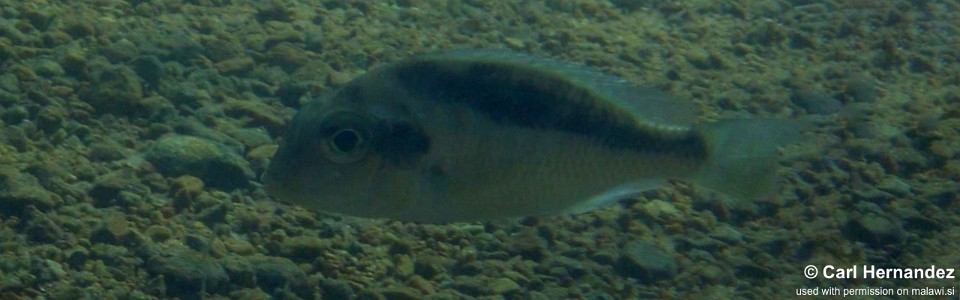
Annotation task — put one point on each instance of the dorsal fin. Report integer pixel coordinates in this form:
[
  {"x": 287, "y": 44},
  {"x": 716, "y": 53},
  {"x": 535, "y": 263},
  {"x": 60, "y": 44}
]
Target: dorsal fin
[
  {"x": 649, "y": 105},
  {"x": 528, "y": 91}
]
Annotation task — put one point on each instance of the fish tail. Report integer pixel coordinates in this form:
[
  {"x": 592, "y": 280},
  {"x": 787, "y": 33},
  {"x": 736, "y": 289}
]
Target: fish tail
[{"x": 743, "y": 155}]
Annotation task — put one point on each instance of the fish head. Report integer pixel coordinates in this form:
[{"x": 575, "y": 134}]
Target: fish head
[{"x": 346, "y": 157}]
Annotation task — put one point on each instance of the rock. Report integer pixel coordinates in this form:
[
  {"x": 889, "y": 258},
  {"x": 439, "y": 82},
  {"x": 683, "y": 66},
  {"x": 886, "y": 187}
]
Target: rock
[
  {"x": 188, "y": 274},
  {"x": 304, "y": 248},
  {"x": 215, "y": 164},
  {"x": 113, "y": 89},
  {"x": 235, "y": 66},
  {"x": 403, "y": 266},
  {"x": 860, "y": 90},
  {"x": 111, "y": 189},
  {"x": 529, "y": 245},
  {"x": 77, "y": 257},
  {"x": 287, "y": 56},
  {"x": 430, "y": 266},
  {"x": 336, "y": 289},
  {"x": 251, "y": 137},
  {"x": 239, "y": 270},
  {"x": 107, "y": 150},
  {"x": 874, "y": 230},
  {"x": 400, "y": 293},
  {"x": 646, "y": 262},
  {"x": 727, "y": 234},
  {"x": 20, "y": 190},
  {"x": 278, "y": 273},
  {"x": 659, "y": 208},
  {"x": 150, "y": 68},
  {"x": 41, "y": 229},
  {"x": 472, "y": 286},
  {"x": 816, "y": 102},
  {"x": 158, "y": 233},
  {"x": 114, "y": 229},
  {"x": 503, "y": 286},
  {"x": 894, "y": 186},
  {"x": 185, "y": 190}
]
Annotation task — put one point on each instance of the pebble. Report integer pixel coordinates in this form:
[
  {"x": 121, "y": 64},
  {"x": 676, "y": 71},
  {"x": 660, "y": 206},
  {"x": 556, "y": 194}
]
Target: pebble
[
  {"x": 304, "y": 248},
  {"x": 503, "y": 286},
  {"x": 895, "y": 186},
  {"x": 646, "y": 262},
  {"x": 816, "y": 102},
  {"x": 472, "y": 286},
  {"x": 727, "y": 234},
  {"x": 875, "y": 230},
  {"x": 188, "y": 274},
  {"x": 400, "y": 293},
  {"x": 404, "y": 266},
  {"x": 336, "y": 289},
  {"x": 109, "y": 189},
  {"x": 215, "y": 164},
  {"x": 278, "y": 272},
  {"x": 20, "y": 190}
]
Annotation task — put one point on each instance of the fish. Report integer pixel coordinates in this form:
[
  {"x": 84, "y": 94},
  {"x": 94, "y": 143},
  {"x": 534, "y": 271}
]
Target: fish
[{"x": 480, "y": 135}]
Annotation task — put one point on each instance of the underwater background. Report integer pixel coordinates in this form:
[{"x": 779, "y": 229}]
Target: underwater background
[{"x": 133, "y": 133}]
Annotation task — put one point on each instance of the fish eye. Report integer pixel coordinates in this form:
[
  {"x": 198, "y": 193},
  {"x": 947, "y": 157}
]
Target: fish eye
[
  {"x": 344, "y": 145},
  {"x": 345, "y": 140}
]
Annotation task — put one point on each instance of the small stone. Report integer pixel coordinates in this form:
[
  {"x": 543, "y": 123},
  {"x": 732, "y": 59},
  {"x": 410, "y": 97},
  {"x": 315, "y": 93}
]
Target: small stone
[
  {"x": 400, "y": 293},
  {"x": 259, "y": 114},
  {"x": 188, "y": 274},
  {"x": 109, "y": 189},
  {"x": 287, "y": 56},
  {"x": 816, "y": 102},
  {"x": 419, "y": 283},
  {"x": 42, "y": 229},
  {"x": 77, "y": 257},
  {"x": 337, "y": 79},
  {"x": 185, "y": 190},
  {"x": 894, "y": 186},
  {"x": 336, "y": 289},
  {"x": 113, "y": 89},
  {"x": 215, "y": 164},
  {"x": 304, "y": 248},
  {"x": 529, "y": 245},
  {"x": 875, "y": 230},
  {"x": 659, "y": 208},
  {"x": 646, "y": 262},
  {"x": 430, "y": 266},
  {"x": 278, "y": 272},
  {"x": 235, "y": 66},
  {"x": 404, "y": 266},
  {"x": 239, "y": 270},
  {"x": 107, "y": 150},
  {"x": 503, "y": 286},
  {"x": 727, "y": 234},
  {"x": 158, "y": 233},
  {"x": 472, "y": 286},
  {"x": 240, "y": 247},
  {"x": 860, "y": 90},
  {"x": 20, "y": 190},
  {"x": 149, "y": 68},
  {"x": 56, "y": 269},
  {"x": 47, "y": 68},
  {"x": 114, "y": 229},
  {"x": 515, "y": 43}
]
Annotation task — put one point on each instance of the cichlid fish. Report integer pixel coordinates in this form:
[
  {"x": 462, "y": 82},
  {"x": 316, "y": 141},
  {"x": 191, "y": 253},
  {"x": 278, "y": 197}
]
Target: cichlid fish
[{"x": 482, "y": 134}]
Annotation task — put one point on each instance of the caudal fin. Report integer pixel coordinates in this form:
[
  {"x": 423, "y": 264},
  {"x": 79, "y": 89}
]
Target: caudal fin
[{"x": 744, "y": 156}]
